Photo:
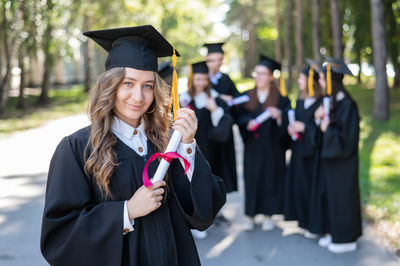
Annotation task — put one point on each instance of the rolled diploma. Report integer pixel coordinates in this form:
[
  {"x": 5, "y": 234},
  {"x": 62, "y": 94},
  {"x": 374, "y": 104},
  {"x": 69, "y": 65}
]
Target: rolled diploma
[
  {"x": 239, "y": 100},
  {"x": 171, "y": 147},
  {"x": 327, "y": 107},
  {"x": 261, "y": 118},
  {"x": 292, "y": 119}
]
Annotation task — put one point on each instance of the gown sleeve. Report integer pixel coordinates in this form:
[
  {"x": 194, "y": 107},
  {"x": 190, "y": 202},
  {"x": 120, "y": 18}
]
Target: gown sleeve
[
  {"x": 201, "y": 199},
  {"x": 222, "y": 131},
  {"x": 75, "y": 229},
  {"x": 340, "y": 140}
]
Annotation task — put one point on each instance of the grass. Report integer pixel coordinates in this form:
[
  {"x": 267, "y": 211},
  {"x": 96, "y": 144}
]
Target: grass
[
  {"x": 379, "y": 156},
  {"x": 63, "y": 102}
]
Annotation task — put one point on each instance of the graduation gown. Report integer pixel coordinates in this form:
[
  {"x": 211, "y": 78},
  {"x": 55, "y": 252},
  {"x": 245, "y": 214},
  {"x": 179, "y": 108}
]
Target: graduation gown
[
  {"x": 301, "y": 168},
  {"x": 212, "y": 142},
  {"x": 264, "y": 160},
  {"x": 339, "y": 167},
  {"x": 226, "y": 86},
  {"x": 81, "y": 227},
  {"x": 227, "y": 149}
]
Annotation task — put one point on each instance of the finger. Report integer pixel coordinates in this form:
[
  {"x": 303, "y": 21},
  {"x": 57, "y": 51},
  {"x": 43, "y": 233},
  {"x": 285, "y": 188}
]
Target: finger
[
  {"x": 184, "y": 124},
  {"x": 158, "y": 191},
  {"x": 185, "y": 132},
  {"x": 158, "y": 184},
  {"x": 187, "y": 115},
  {"x": 158, "y": 198}
]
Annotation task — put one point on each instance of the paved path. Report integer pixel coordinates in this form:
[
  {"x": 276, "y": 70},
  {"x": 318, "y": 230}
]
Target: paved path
[{"x": 24, "y": 160}]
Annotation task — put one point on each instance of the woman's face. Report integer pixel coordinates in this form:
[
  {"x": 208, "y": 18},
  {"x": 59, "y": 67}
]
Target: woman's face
[
  {"x": 302, "y": 81},
  {"x": 134, "y": 95},
  {"x": 263, "y": 76},
  {"x": 200, "y": 82},
  {"x": 322, "y": 80}
]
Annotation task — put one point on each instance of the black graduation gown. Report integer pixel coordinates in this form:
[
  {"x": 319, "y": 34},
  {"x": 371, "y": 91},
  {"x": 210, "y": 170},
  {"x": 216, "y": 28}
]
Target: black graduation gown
[
  {"x": 301, "y": 167},
  {"x": 81, "y": 227},
  {"x": 212, "y": 141},
  {"x": 227, "y": 150},
  {"x": 264, "y": 161},
  {"x": 339, "y": 167},
  {"x": 226, "y": 86}
]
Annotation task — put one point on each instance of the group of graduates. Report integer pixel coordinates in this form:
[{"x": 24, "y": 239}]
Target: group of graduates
[
  {"x": 318, "y": 185},
  {"x": 102, "y": 206}
]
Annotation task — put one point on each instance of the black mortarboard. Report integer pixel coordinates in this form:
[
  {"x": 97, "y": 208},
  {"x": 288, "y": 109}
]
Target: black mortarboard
[
  {"x": 306, "y": 71},
  {"x": 338, "y": 66},
  {"x": 317, "y": 65},
  {"x": 135, "y": 47},
  {"x": 271, "y": 64},
  {"x": 165, "y": 69},
  {"x": 214, "y": 47},
  {"x": 200, "y": 67}
]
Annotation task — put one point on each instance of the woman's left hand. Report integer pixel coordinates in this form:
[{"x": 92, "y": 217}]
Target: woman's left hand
[
  {"x": 186, "y": 123},
  {"x": 276, "y": 113}
]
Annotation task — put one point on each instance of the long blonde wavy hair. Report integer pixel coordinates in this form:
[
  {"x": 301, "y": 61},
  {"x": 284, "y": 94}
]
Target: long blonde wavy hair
[{"x": 100, "y": 147}]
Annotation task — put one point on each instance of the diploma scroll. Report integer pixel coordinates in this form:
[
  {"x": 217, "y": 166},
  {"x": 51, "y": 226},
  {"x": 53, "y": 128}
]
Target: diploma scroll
[
  {"x": 261, "y": 118},
  {"x": 171, "y": 147},
  {"x": 239, "y": 100},
  {"x": 327, "y": 107},
  {"x": 292, "y": 119}
]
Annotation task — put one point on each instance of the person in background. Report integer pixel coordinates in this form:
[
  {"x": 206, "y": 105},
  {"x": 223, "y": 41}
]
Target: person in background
[
  {"x": 339, "y": 163},
  {"x": 214, "y": 122},
  {"x": 264, "y": 155},
  {"x": 226, "y": 90},
  {"x": 304, "y": 150}
]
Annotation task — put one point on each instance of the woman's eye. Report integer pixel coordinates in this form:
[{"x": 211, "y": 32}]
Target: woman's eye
[
  {"x": 127, "y": 83},
  {"x": 148, "y": 86}
]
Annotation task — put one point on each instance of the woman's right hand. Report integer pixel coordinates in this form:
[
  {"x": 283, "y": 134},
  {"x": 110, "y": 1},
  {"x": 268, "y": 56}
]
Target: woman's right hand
[
  {"x": 252, "y": 123},
  {"x": 146, "y": 200}
]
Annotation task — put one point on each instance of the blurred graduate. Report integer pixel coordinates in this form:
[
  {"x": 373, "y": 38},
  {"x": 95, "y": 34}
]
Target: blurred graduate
[
  {"x": 265, "y": 145},
  {"x": 97, "y": 209},
  {"x": 338, "y": 189},
  {"x": 304, "y": 148}
]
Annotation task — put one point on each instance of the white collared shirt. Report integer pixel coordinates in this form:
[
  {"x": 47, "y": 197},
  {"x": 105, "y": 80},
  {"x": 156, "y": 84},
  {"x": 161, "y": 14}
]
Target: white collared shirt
[
  {"x": 136, "y": 139},
  {"x": 262, "y": 96},
  {"x": 214, "y": 78},
  {"x": 308, "y": 102}
]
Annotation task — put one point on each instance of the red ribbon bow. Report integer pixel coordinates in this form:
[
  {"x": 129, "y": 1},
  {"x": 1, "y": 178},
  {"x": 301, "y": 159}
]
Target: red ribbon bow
[{"x": 168, "y": 156}]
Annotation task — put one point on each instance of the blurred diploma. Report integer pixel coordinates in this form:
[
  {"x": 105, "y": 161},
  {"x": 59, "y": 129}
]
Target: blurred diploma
[{"x": 261, "y": 118}]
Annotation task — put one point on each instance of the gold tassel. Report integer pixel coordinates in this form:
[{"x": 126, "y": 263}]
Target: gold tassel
[
  {"x": 174, "y": 92},
  {"x": 282, "y": 85},
  {"x": 328, "y": 80},
  {"x": 311, "y": 82},
  {"x": 190, "y": 79}
]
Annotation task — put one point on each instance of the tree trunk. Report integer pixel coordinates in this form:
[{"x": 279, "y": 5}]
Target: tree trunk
[
  {"x": 278, "y": 53},
  {"x": 396, "y": 84},
  {"x": 48, "y": 56},
  {"x": 316, "y": 29},
  {"x": 381, "y": 98},
  {"x": 336, "y": 29},
  {"x": 5, "y": 80},
  {"x": 288, "y": 42},
  {"x": 21, "y": 99},
  {"x": 299, "y": 35},
  {"x": 88, "y": 56},
  {"x": 359, "y": 81},
  {"x": 251, "y": 49}
]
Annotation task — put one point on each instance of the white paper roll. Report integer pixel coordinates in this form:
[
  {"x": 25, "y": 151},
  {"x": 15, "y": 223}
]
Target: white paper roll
[
  {"x": 239, "y": 100},
  {"x": 171, "y": 147},
  {"x": 292, "y": 119},
  {"x": 261, "y": 118},
  {"x": 327, "y": 107}
]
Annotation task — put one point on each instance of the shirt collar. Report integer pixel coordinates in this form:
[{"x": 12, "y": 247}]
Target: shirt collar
[
  {"x": 127, "y": 130},
  {"x": 214, "y": 78},
  {"x": 340, "y": 96}
]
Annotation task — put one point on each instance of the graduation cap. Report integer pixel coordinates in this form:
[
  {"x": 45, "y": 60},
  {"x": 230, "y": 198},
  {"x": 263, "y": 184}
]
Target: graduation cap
[
  {"x": 316, "y": 65},
  {"x": 336, "y": 69},
  {"x": 199, "y": 67},
  {"x": 214, "y": 47},
  {"x": 165, "y": 69},
  {"x": 135, "y": 47},
  {"x": 271, "y": 64}
]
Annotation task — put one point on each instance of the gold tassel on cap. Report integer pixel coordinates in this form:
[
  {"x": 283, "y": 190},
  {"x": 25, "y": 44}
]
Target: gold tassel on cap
[
  {"x": 174, "y": 92},
  {"x": 311, "y": 82},
  {"x": 328, "y": 80},
  {"x": 282, "y": 85},
  {"x": 190, "y": 79}
]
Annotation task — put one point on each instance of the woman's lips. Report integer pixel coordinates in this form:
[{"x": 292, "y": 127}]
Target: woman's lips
[{"x": 134, "y": 107}]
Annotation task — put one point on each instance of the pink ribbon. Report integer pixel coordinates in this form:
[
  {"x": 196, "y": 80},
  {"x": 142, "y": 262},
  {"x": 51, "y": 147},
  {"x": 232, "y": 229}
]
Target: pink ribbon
[{"x": 168, "y": 156}]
